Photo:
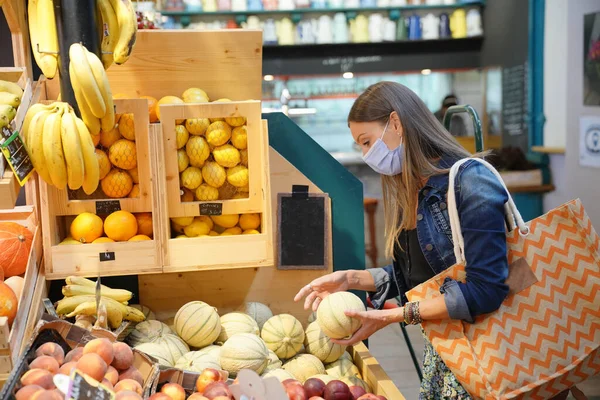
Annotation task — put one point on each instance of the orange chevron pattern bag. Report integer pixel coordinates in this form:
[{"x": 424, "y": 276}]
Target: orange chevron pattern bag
[{"x": 545, "y": 337}]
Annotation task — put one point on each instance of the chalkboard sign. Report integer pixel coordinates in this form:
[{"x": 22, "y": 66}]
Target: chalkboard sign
[
  {"x": 107, "y": 256},
  {"x": 16, "y": 154},
  {"x": 211, "y": 208},
  {"x": 303, "y": 230},
  {"x": 107, "y": 206},
  {"x": 514, "y": 99},
  {"x": 84, "y": 389}
]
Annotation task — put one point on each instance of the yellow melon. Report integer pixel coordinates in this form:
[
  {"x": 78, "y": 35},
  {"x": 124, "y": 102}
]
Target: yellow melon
[
  {"x": 284, "y": 335},
  {"x": 303, "y": 366},
  {"x": 319, "y": 345},
  {"x": 197, "y": 324},
  {"x": 332, "y": 319},
  {"x": 342, "y": 368},
  {"x": 244, "y": 351},
  {"x": 234, "y": 323}
]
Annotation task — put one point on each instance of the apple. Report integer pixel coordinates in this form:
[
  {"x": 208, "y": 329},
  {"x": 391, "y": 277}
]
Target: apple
[
  {"x": 314, "y": 387},
  {"x": 217, "y": 389},
  {"x": 337, "y": 390},
  {"x": 208, "y": 376},
  {"x": 174, "y": 391},
  {"x": 159, "y": 396},
  {"x": 370, "y": 396},
  {"x": 294, "y": 389},
  {"x": 356, "y": 392}
]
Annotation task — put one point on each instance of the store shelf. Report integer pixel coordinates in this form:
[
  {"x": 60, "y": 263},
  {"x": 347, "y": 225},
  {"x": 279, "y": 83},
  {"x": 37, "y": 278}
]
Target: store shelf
[{"x": 324, "y": 10}]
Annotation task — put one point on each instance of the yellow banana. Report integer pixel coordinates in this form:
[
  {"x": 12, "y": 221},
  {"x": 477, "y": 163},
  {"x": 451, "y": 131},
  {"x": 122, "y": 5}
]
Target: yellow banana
[
  {"x": 134, "y": 315},
  {"x": 81, "y": 281},
  {"x": 47, "y": 38},
  {"x": 31, "y": 112},
  {"x": 127, "y": 30},
  {"x": 71, "y": 144},
  {"x": 116, "y": 294},
  {"x": 10, "y": 98},
  {"x": 69, "y": 304},
  {"x": 110, "y": 31},
  {"x": 35, "y": 139},
  {"x": 85, "y": 80},
  {"x": 53, "y": 152},
  {"x": 108, "y": 120},
  {"x": 92, "y": 123},
  {"x": 115, "y": 316},
  {"x": 11, "y": 87}
]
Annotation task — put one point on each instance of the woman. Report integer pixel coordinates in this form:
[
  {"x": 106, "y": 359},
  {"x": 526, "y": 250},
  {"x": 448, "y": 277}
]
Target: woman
[{"x": 404, "y": 142}]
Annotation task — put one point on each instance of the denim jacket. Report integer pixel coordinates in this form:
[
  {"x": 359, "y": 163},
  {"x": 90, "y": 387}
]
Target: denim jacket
[{"x": 480, "y": 200}]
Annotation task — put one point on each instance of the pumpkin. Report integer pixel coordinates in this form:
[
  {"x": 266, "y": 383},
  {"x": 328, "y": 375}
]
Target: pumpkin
[
  {"x": 342, "y": 368},
  {"x": 303, "y": 366},
  {"x": 148, "y": 332},
  {"x": 16, "y": 284},
  {"x": 8, "y": 303},
  {"x": 244, "y": 351},
  {"x": 319, "y": 345},
  {"x": 234, "y": 323},
  {"x": 197, "y": 361},
  {"x": 332, "y": 318},
  {"x": 15, "y": 242},
  {"x": 284, "y": 335},
  {"x": 198, "y": 324}
]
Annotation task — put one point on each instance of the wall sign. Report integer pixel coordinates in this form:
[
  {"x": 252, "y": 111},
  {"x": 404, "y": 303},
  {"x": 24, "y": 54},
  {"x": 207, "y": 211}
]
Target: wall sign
[{"x": 589, "y": 142}]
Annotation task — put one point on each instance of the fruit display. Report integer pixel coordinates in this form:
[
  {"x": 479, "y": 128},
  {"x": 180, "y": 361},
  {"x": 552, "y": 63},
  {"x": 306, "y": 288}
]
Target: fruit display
[
  {"x": 15, "y": 242},
  {"x": 80, "y": 300},
  {"x": 117, "y": 30},
  {"x": 331, "y": 318},
  {"x": 283, "y": 335},
  {"x": 119, "y": 226},
  {"x": 10, "y": 99},
  {"x": 61, "y": 147},
  {"x": 216, "y": 225}
]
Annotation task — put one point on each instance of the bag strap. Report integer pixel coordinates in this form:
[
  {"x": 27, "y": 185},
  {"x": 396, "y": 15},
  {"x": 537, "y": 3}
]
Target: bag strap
[{"x": 514, "y": 217}]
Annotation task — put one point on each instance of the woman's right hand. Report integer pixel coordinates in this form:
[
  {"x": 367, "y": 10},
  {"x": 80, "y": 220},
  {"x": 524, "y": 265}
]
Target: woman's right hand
[{"x": 322, "y": 287}]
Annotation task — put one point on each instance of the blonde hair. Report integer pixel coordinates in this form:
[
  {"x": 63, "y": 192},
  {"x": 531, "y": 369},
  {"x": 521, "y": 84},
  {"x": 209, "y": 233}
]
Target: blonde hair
[{"x": 425, "y": 141}]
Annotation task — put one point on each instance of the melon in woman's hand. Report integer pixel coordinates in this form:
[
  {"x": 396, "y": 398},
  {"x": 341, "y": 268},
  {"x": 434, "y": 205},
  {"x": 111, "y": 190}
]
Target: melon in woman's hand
[{"x": 332, "y": 318}]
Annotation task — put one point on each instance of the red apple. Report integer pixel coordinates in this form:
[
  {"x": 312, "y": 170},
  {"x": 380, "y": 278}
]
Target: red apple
[
  {"x": 337, "y": 390},
  {"x": 296, "y": 392},
  {"x": 159, "y": 396},
  {"x": 356, "y": 392},
  {"x": 208, "y": 376},
  {"x": 368, "y": 396},
  {"x": 196, "y": 396},
  {"x": 174, "y": 391},
  {"x": 316, "y": 398},
  {"x": 314, "y": 387},
  {"x": 217, "y": 389}
]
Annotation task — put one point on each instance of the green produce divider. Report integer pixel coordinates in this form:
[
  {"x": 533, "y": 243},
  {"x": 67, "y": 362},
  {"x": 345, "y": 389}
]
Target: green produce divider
[{"x": 344, "y": 189}]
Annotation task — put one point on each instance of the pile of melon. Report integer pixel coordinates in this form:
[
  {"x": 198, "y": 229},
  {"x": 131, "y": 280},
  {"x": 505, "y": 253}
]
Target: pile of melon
[
  {"x": 270, "y": 345},
  {"x": 106, "y": 362}
]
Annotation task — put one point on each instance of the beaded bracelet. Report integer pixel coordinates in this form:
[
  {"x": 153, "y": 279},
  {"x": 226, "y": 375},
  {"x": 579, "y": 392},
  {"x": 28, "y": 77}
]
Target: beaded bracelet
[{"x": 412, "y": 315}]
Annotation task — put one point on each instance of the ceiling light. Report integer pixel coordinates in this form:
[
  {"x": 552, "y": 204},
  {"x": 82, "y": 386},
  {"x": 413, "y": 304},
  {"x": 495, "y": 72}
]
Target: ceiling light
[
  {"x": 426, "y": 72},
  {"x": 268, "y": 78},
  {"x": 348, "y": 75}
]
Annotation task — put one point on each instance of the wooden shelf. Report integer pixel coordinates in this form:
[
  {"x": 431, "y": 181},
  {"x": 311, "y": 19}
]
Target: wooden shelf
[
  {"x": 548, "y": 150},
  {"x": 532, "y": 189}
]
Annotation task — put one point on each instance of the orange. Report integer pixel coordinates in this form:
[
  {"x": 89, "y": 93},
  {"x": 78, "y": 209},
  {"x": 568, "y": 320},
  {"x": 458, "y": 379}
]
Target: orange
[
  {"x": 144, "y": 221},
  {"x": 134, "y": 175},
  {"x": 123, "y": 154},
  {"x": 139, "y": 238},
  {"x": 187, "y": 195},
  {"x": 167, "y": 100},
  {"x": 108, "y": 138},
  {"x": 117, "y": 184},
  {"x": 120, "y": 226},
  {"x": 103, "y": 162},
  {"x": 103, "y": 240},
  {"x": 95, "y": 139},
  {"x": 135, "y": 192},
  {"x": 126, "y": 126},
  {"x": 86, "y": 227},
  {"x": 152, "y": 108}
]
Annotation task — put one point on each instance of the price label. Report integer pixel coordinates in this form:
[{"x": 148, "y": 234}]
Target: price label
[
  {"x": 86, "y": 388},
  {"x": 16, "y": 154},
  {"x": 211, "y": 208},
  {"x": 107, "y": 206},
  {"x": 107, "y": 256}
]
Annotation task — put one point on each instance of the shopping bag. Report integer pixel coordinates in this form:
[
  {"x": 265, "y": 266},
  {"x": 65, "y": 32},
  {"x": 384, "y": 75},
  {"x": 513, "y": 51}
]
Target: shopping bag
[{"x": 545, "y": 337}]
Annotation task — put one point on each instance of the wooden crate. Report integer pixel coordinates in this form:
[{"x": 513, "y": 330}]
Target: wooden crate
[
  {"x": 224, "y": 252},
  {"x": 12, "y": 338},
  {"x": 257, "y": 139},
  {"x": 9, "y": 186},
  {"x": 373, "y": 373}
]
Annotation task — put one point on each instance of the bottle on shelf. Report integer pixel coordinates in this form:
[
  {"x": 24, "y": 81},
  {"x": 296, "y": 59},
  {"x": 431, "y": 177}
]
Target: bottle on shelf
[
  {"x": 474, "y": 23},
  {"x": 306, "y": 31},
  {"x": 209, "y": 5},
  {"x": 239, "y": 5},
  {"x": 224, "y": 5},
  {"x": 340, "y": 28},
  {"x": 375, "y": 28},
  {"x": 324, "y": 30},
  {"x": 359, "y": 28},
  {"x": 270, "y": 32},
  {"x": 255, "y": 5},
  {"x": 414, "y": 27},
  {"x": 285, "y": 31},
  {"x": 458, "y": 24},
  {"x": 389, "y": 30},
  {"x": 287, "y": 5},
  {"x": 445, "y": 32},
  {"x": 431, "y": 27}
]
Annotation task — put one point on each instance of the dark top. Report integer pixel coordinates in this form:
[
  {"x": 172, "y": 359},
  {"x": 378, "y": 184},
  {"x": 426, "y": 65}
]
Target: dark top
[{"x": 410, "y": 260}]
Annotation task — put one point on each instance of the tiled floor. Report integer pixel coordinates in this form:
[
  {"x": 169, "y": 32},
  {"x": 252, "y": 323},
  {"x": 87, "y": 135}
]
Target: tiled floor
[{"x": 389, "y": 348}]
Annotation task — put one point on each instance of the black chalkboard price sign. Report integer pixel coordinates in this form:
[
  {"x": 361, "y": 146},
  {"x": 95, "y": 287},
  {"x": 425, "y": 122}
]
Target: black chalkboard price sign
[
  {"x": 211, "y": 208},
  {"x": 107, "y": 206},
  {"x": 87, "y": 389},
  {"x": 16, "y": 154},
  {"x": 303, "y": 229}
]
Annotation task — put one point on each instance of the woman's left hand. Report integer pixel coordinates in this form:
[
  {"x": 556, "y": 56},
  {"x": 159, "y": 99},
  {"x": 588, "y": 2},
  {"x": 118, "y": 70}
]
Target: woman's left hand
[{"x": 372, "y": 321}]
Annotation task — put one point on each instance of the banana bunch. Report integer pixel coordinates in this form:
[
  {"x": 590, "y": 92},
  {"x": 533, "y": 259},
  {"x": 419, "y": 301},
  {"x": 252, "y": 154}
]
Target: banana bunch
[
  {"x": 117, "y": 31},
  {"x": 80, "y": 302},
  {"x": 10, "y": 99},
  {"x": 92, "y": 90},
  {"x": 43, "y": 36},
  {"x": 60, "y": 147}
]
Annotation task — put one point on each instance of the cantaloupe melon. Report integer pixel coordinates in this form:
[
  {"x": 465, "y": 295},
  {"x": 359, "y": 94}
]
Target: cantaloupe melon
[
  {"x": 148, "y": 331},
  {"x": 274, "y": 362},
  {"x": 234, "y": 323},
  {"x": 197, "y": 361},
  {"x": 312, "y": 317},
  {"x": 342, "y": 368},
  {"x": 354, "y": 381},
  {"x": 319, "y": 345},
  {"x": 331, "y": 317},
  {"x": 244, "y": 351},
  {"x": 280, "y": 374},
  {"x": 213, "y": 349},
  {"x": 160, "y": 353},
  {"x": 148, "y": 313},
  {"x": 173, "y": 346},
  {"x": 198, "y": 324},
  {"x": 303, "y": 366},
  {"x": 284, "y": 335},
  {"x": 325, "y": 378},
  {"x": 258, "y": 311}
]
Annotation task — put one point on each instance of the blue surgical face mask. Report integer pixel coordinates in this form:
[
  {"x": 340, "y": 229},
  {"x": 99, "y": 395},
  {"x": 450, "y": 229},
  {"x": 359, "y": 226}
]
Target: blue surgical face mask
[{"x": 383, "y": 160}]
